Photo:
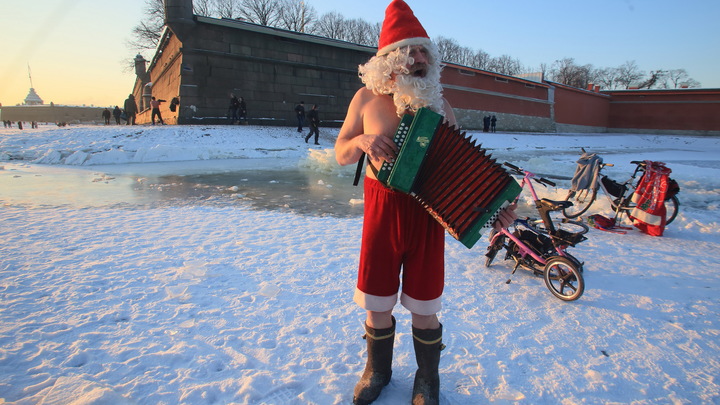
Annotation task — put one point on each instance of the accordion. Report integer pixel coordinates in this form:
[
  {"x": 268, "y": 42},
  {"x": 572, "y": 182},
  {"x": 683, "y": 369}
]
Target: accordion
[{"x": 449, "y": 175}]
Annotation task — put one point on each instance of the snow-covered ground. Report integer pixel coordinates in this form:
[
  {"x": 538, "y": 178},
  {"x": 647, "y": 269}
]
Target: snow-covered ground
[{"x": 162, "y": 265}]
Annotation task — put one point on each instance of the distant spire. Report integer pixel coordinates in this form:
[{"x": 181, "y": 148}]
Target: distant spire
[{"x": 30, "y": 76}]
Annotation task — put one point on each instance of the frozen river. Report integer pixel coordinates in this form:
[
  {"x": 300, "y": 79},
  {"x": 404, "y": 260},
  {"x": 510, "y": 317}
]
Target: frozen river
[
  {"x": 299, "y": 190},
  {"x": 263, "y": 184}
]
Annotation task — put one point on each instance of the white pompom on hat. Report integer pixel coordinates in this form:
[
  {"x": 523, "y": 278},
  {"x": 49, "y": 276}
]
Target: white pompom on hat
[{"x": 400, "y": 28}]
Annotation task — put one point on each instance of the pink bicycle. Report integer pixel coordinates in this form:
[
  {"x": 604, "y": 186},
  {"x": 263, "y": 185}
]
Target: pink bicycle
[{"x": 540, "y": 246}]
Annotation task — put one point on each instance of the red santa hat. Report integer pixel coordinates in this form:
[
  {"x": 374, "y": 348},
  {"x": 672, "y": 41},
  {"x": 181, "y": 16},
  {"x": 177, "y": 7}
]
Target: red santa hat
[{"x": 400, "y": 28}]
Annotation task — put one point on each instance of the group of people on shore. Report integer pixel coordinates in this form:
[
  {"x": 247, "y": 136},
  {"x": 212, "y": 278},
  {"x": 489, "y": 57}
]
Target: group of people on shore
[
  {"x": 33, "y": 124},
  {"x": 237, "y": 110},
  {"x": 130, "y": 110}
]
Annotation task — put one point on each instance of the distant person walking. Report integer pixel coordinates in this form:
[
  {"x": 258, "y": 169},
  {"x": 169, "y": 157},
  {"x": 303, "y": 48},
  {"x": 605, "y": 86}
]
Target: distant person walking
[
  {"x": 155, "y": 105},
  {"x": 117, "y": 112},
  {"x": 314, "y": 119},
  {"x": 233, "y": 109},
  {"x": 130, "y": 109},
  {"x": 242, "y": 111},
  {"x": 493, "y": 123},
  {"x": 300, "y": 113},
  {"x": 106, "y": 116}
]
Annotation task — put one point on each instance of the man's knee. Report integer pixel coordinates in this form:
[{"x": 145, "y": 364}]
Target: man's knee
[
  {"x": 425, "y": 321},
  {"x": 379, "y": 320}
]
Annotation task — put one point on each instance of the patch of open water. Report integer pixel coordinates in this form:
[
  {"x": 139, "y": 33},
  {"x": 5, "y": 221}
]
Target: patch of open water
[{"x": 293, "y": 189}]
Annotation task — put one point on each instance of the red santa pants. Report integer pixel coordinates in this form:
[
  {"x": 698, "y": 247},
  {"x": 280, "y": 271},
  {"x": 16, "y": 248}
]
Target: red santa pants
[{"x": 398, "y": 234}]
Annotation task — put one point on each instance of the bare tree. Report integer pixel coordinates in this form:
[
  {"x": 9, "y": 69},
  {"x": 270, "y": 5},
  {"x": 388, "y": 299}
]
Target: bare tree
[
  {"x": 360, "y": 32},
  {"x": 677, "y": 78},
  {"x": 296, "y": 15},
  {"x": 146, "y": 34},
  {"x": 606, "y": 78},
  {"x": 449, "y": 49},
  {"x": 374, "y": 34},
  {"x": 544, "y": 69},
  {"x": 506, "y": 65},
  {"x": 566, "y": 71},
  {"x": 331, "y": 25},
  {"x": 481, "y": 60},
  {"x": 655, "y": 78},
  {"x": 202, "y": 7},
  {"x": 691, "y": 83},
  {"x": 628, "y": 74},
  {"x": 227, "y": 8},
  {"x": 263, "y": 12}
]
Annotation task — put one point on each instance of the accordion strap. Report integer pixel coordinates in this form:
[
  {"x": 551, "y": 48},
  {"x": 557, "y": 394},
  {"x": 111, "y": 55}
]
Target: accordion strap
[{"x": 358, "y": 170}]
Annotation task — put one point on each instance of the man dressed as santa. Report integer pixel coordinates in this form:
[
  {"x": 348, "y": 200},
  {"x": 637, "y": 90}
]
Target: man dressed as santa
[{"x": 400, "y": 239}]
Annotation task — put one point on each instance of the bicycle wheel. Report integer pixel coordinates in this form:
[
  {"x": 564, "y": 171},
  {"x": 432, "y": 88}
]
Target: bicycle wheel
[
  {"x": 581, "y": 200},
  {"x": 565, "y": 224},
  {"x": 672, "y": 207},
  {"x": 563, "y": 279},
  {"x": 578, "y": 264},
  {"x": 574, "y": 226}
]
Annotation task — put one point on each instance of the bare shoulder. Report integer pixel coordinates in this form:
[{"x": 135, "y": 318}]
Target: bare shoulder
[
  {"x": 449, "y": 113},
  {"x": 362, "y": 97}
]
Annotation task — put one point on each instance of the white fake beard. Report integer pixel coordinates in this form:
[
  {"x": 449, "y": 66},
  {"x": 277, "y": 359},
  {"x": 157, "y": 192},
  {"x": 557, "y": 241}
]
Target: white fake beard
[
  {"x": 413, "y": 93},
  {"x": 408, "y": 92}
]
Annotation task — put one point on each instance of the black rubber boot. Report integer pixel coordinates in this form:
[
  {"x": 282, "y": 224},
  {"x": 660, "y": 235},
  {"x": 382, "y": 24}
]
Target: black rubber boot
[
  {"x": 378, "y": 369},
  {"x": 428, "y": 344}
]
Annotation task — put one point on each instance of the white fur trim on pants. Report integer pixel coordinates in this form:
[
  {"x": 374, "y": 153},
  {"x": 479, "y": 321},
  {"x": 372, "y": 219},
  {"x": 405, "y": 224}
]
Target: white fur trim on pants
[{"x": 376, "y": 303}]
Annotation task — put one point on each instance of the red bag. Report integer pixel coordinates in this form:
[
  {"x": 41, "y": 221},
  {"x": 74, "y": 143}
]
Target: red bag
[
  {"x": 604, "y": 223},
  {"x": 649, "y": 214}
]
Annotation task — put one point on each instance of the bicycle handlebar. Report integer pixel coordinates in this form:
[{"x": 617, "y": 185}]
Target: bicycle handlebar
[
  {"x": 515, "y": 168},
  {"x": 522, "y": 172},
  {"x": 545, "y": 181}
]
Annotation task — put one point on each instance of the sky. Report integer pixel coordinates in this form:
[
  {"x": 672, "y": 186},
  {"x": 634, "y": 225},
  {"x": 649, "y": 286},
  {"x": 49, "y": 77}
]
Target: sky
[{"x": 77, "y": 54}]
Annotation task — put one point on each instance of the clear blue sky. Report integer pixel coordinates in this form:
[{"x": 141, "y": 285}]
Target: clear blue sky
[{"x": 77, "y": 53}]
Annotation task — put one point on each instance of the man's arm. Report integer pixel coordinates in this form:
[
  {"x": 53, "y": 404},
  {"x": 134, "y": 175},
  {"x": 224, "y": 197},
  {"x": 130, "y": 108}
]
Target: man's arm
[
  {"x": 449, "y": 113},
  {"x": 367, "y": 128},
  {"x": 347, "y": 150}
]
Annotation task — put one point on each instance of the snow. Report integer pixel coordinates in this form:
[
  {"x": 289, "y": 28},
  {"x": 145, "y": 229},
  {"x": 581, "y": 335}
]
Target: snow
[{"x": 124, "y": 282}]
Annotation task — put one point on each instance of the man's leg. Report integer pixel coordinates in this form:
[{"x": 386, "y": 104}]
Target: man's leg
[
  {"x": 379, "y": 320},
  {"x": 427, "y": 341},
  {"x": 380, "y": 337},
  {"x": 425, "y": 321}
]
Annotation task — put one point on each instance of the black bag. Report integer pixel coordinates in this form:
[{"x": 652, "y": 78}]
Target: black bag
[
  {"x": 672, "y": 190},
  {"x": 614, "y": 188}
]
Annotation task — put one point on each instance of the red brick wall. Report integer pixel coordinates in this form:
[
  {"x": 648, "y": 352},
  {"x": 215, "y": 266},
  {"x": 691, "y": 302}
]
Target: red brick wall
[
  {"x": 472, "y": 89},
  {"x": 673, "y": 109},
  {"x": 681, "y": 109},
  {"x": 581, "y": 107}
]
